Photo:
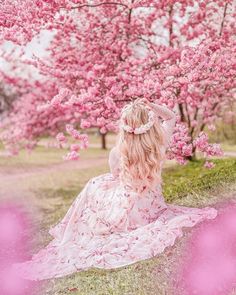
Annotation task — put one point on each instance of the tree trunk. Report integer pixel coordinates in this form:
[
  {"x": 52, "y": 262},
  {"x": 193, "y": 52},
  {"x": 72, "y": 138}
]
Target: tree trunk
[
  {"x": 193, "y": 157},
  {"x": 104, "y": 144}
]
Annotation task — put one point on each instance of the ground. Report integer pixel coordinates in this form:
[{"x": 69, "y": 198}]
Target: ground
[{"x": 46, "y": 186}]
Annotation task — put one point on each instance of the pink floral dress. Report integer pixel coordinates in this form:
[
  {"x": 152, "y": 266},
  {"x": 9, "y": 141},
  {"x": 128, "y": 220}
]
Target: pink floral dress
[{"x": 108, "y": 226}]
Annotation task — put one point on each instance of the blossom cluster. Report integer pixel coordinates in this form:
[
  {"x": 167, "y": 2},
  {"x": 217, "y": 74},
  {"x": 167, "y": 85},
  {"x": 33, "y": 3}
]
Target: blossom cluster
[
  {"x": 181, "y": 147},
  {"x": 202, "y": 144},
  {"x": 115, "y": 52},
  {"x": 74, "y": 148}
]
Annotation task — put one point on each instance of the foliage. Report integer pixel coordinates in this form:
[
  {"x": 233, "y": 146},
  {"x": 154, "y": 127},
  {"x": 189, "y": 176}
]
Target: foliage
[{"x": 104, "y": 54}]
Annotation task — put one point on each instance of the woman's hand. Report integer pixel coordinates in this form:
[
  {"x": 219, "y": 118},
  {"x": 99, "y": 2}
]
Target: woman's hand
[{"x": 164, "y": 112}]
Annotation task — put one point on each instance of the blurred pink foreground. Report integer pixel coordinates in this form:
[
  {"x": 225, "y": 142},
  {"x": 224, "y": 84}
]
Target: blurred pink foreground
[
  {"x": 210, "y": 267},
  {"x": 14, "y": 246}
]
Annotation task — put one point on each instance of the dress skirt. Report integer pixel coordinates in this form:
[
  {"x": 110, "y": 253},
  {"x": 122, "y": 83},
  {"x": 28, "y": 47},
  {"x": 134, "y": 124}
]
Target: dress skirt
[{"x": 108, "y": 226}]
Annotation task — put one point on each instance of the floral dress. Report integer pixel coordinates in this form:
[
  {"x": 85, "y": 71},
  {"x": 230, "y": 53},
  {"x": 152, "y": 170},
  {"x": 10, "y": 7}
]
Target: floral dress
[{"x": 109, "y": 226}]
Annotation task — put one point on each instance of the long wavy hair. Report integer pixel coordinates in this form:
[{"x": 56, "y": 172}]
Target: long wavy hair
[{"x": 140, "y": 154}]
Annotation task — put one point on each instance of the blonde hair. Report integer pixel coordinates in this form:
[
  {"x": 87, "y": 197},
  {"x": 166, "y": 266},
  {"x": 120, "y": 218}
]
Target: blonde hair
[{"x": 140, "y": 154}]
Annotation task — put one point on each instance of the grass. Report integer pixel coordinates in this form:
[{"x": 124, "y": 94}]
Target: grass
[
  {"x": 43, "y": 156},
  {"x": 178, "y": 181},
  {"x": 54, "y": 190},
  {"x": 193, "y": 178},
  {"x": 57, "y": 191},
  {"x": 228, "y": 147},
  {"x": 139, "y": 278}
]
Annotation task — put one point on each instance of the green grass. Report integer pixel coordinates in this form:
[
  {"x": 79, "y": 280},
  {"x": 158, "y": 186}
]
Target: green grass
[
  {"x": 224, "y": 133},
  {"x": 140, "y": 278},
  {"x": 193, "y": 178},
  {"x": 178, "y": 181},
  {"x": 54, "y": 191},
  {"x": 60, "y": 189}
]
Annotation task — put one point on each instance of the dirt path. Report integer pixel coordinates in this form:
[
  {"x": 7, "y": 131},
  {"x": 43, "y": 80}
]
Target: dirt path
[
  {"x": 230, "y": 154},
  {"x": 17, "y": 183},
  {"x": 12, "y": 173},
  {"x": 12, "y": 186}
]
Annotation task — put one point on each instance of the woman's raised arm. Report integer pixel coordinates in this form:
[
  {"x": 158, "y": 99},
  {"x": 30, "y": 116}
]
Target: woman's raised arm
[{"x": 169, "y": 119}]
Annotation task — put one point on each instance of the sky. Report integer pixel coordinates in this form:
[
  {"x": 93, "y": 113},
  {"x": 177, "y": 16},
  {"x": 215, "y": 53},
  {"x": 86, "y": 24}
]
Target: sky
[{"x": 36, "y": 46}]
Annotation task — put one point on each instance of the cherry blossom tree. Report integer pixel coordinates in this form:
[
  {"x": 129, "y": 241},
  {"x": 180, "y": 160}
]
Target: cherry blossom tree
[{"x": 106, "y": 53}]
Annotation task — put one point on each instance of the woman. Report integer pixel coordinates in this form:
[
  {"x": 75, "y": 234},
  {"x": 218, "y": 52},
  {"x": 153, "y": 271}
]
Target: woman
[{"x": 120, "y": 217}]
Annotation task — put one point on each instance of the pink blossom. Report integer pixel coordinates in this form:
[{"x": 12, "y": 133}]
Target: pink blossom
[
  {"x": 212, "y": 127},
  {"x": 57, "y": 100},
  {"x": 61, "y": 137},
  {"x": 75, "y": 147},
  {"x": 43, "y": 107},
  {"x": 90, "y": 74},
  {"x": 85, "y": 124},
  {"x": 101, "y": 121},
  {"x": 202, "y": 144},
  {"x": 73, "y": 155},
  {"x": 103, "y": 130},
  {"x": 73, "y": 132},
  {"x": 110, "y": 103},
  {"x": 209, "y": 165},
  {"x": 84, "y": 141}
]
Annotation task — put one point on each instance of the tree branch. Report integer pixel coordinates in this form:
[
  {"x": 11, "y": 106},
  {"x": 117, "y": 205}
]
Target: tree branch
[
  {"x": 149, "y": 44},
  {"x": 202, "y": 127},
  {"x": 171, "y": 26},
  {"x": 223, "y": 19},
  {"x": 100, "y": 4},
  {"x": 188, "y": 115},
  {"x": 194, "y": 118},
  {"x": 181, "y": 110}
]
